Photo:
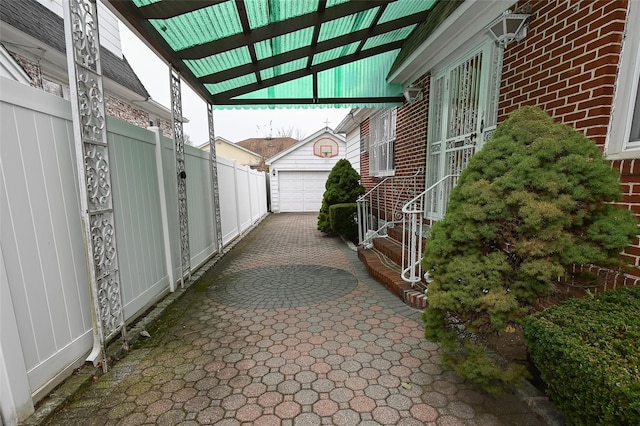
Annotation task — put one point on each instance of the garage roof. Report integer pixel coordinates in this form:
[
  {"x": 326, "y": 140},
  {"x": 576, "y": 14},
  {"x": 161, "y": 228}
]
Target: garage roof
[{"x": 280, "y": 52}]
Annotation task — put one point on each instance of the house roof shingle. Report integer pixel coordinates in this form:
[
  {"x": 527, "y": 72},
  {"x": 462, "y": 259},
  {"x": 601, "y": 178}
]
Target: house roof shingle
[
  {"x": 267, "y": 148},
  {"x": 36, "y": 20}
]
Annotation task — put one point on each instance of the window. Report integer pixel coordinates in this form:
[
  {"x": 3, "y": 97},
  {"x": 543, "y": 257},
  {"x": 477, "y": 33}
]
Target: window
[
  {"x": 382, "y": 129},
  {"x": 462, "y": 115},
  {"x": 55, "y": 88},
  {"x": 623, "y": 139}
]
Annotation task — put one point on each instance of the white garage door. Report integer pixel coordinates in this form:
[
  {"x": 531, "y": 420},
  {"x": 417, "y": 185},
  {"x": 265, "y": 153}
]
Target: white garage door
[{"x": 301, "y": 191}]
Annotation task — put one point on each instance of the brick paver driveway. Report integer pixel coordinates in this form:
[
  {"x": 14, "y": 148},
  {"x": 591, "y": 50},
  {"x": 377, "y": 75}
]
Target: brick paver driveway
[{"x": 288, "y": 329}]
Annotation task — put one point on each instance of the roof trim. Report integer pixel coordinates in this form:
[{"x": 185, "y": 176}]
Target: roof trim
[{"x": 463, "y": 26}]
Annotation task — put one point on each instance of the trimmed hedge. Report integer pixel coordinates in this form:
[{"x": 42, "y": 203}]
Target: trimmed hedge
[
  {"x": 588, "y": 353},
  {"x": 342, "y": 218}
]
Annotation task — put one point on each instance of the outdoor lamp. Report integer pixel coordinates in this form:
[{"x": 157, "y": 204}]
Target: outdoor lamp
[
  {"x": 508, "y": 27},
  {"x": 412, "y": 94}
]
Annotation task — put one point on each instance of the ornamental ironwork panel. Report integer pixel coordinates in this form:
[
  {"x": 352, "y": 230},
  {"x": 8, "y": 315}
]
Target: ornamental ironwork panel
[
  {"x": 178, "y": 137},
  {"x": 94, "y": 171},
  {"x": 215, "y": 189}
]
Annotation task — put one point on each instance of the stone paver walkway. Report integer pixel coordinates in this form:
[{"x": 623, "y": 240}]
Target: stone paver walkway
[{"x": 288, "y": 329}]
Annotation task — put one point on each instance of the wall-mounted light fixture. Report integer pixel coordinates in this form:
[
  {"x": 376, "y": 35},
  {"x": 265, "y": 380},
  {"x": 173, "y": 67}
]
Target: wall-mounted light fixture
[
  {"x": 508, "y": 27},
  {"x": 412, "y": 94}
]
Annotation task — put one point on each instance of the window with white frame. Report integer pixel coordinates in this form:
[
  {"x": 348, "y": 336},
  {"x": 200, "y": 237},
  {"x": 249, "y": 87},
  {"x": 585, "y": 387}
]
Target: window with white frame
[
  {"x": 623, "y": 139},
  {"x": 382, "y": 135}
]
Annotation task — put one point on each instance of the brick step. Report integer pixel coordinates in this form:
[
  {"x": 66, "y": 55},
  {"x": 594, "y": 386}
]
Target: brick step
[
  {"x": 387, "y": 273},
  {"x": 395, "y": 234},
  {"x": 390, "y": 247}
]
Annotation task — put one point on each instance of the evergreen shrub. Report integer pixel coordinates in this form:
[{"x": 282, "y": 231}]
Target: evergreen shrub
[
  {"x": 588, "y": 354},
  {"x": 534, "y": 201},
  {"x": 342, "y": 218},
  {"x": 343, "y": 186}
]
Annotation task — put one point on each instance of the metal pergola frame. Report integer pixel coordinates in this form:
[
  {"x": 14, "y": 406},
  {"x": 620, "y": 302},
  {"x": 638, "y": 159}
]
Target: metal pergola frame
[{"x": 138, "y": 18}]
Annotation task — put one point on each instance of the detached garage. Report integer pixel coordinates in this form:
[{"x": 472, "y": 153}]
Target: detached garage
[{"x": 298, "y": 174}]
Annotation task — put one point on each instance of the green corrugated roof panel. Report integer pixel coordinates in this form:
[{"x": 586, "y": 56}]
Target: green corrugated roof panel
[
  {"x": 347, "y": 24},
  {"x": 335, "y": 53},
  {"x": 200, "y": 26},
  {"x": 219, "y": 62},
  {"x": 287, "y": 67},
  {"x": 264, "y": 12},
  {"x": 284, "y": 43},
  {"x": 363, "y": 78},
  {"x": 206, "y": 42},
  {"x": 233, "y": 83},
  {"x": 402, "y": 8},
  {"x": 390, "y": 37},
  {"x": 141, "y": 3},
  {"x": 299, "y": 88},
  {"x": 331, "y": 3}
]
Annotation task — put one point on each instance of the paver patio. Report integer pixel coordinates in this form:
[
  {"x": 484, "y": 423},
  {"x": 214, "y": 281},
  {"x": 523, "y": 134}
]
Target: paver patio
[{"x": 288, "y": 329}]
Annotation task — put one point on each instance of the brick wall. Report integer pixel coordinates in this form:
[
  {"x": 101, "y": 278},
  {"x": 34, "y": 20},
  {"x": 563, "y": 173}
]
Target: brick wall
[
  {"x": 410, "y": 153},
  {"x": 118, "y": 108},
  {"x": 367, "y": 181},
  {"x": 411, "y": 134},
  {"x": 31, "y": 68},
  {"x": 410, "y": 145},
  {"x": 567, "y": 65}
]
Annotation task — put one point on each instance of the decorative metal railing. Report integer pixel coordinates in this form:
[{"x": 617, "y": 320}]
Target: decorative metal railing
[
  {"x": 381, "y": 207},
  {"x": 430, "y": 204}
]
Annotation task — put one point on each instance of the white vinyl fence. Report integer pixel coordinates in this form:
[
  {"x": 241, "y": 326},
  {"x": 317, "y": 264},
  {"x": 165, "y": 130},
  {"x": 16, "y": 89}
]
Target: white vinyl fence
[{"x": 45, "y": 308}]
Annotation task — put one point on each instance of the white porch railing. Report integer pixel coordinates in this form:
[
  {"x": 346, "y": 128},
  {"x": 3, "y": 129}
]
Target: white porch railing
[
  {"x": 381, "y": 207},
  {"x": 431, "y": 204}
]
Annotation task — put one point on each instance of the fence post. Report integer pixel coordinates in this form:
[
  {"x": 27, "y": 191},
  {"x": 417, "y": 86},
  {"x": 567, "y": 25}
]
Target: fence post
[
  {"x": 251, "y": 194},
  {"x": 164, "y": 216},
  {"x": 84, "y": 66},
  {"x": 237, "y": 190}
]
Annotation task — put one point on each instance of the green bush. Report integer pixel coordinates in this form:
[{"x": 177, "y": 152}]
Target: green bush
[
  {"x": 343, "y": 186},
  {"x": 534, "y": 201},
  {"x": 342, "y": 218},
  {"x": 588, "y": 353}
]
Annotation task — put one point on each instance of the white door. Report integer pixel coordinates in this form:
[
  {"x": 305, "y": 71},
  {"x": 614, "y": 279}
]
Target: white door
[{"x": 301, "y": 191}]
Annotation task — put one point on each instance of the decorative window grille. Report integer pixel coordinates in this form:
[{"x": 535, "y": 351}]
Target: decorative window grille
[
  {"x": 462, "y": 107},
  {"x": 383, "y": 138}
]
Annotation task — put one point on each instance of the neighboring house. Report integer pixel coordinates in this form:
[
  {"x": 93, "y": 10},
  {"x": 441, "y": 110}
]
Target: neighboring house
[
  {"x": 32, "y": 51},
  {"x": 234, "y": 152},
  {"x": 267, "y": 147},
  {"x": 579, "y": 61},
  {"x": 299, "y": 173}
]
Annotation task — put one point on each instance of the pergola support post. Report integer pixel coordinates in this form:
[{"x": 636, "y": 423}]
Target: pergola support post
[
  {"x": 94, "y": 174},
  {"x": 215, "y": 188},
  {"x": 178, "y": 137}
]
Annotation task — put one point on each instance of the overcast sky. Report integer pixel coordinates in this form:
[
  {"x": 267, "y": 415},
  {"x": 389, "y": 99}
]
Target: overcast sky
[{"x": 234, "y": 125}]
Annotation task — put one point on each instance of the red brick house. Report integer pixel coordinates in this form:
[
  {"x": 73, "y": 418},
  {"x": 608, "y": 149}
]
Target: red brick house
[{"x": 578, "y": 60}]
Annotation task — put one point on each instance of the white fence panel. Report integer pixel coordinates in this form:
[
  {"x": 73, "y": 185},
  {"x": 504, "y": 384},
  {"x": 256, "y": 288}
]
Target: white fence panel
[
  {"x": 171, "y": 195},
  {"x": 143, "y": 272},
  {"x": 228, "y": 200},
  {"x": 40, "y": 232},
  {"x": 202, "y": 234},
  {"x": 244, "y": 197},
  {"x": 44, "y": 276}
]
